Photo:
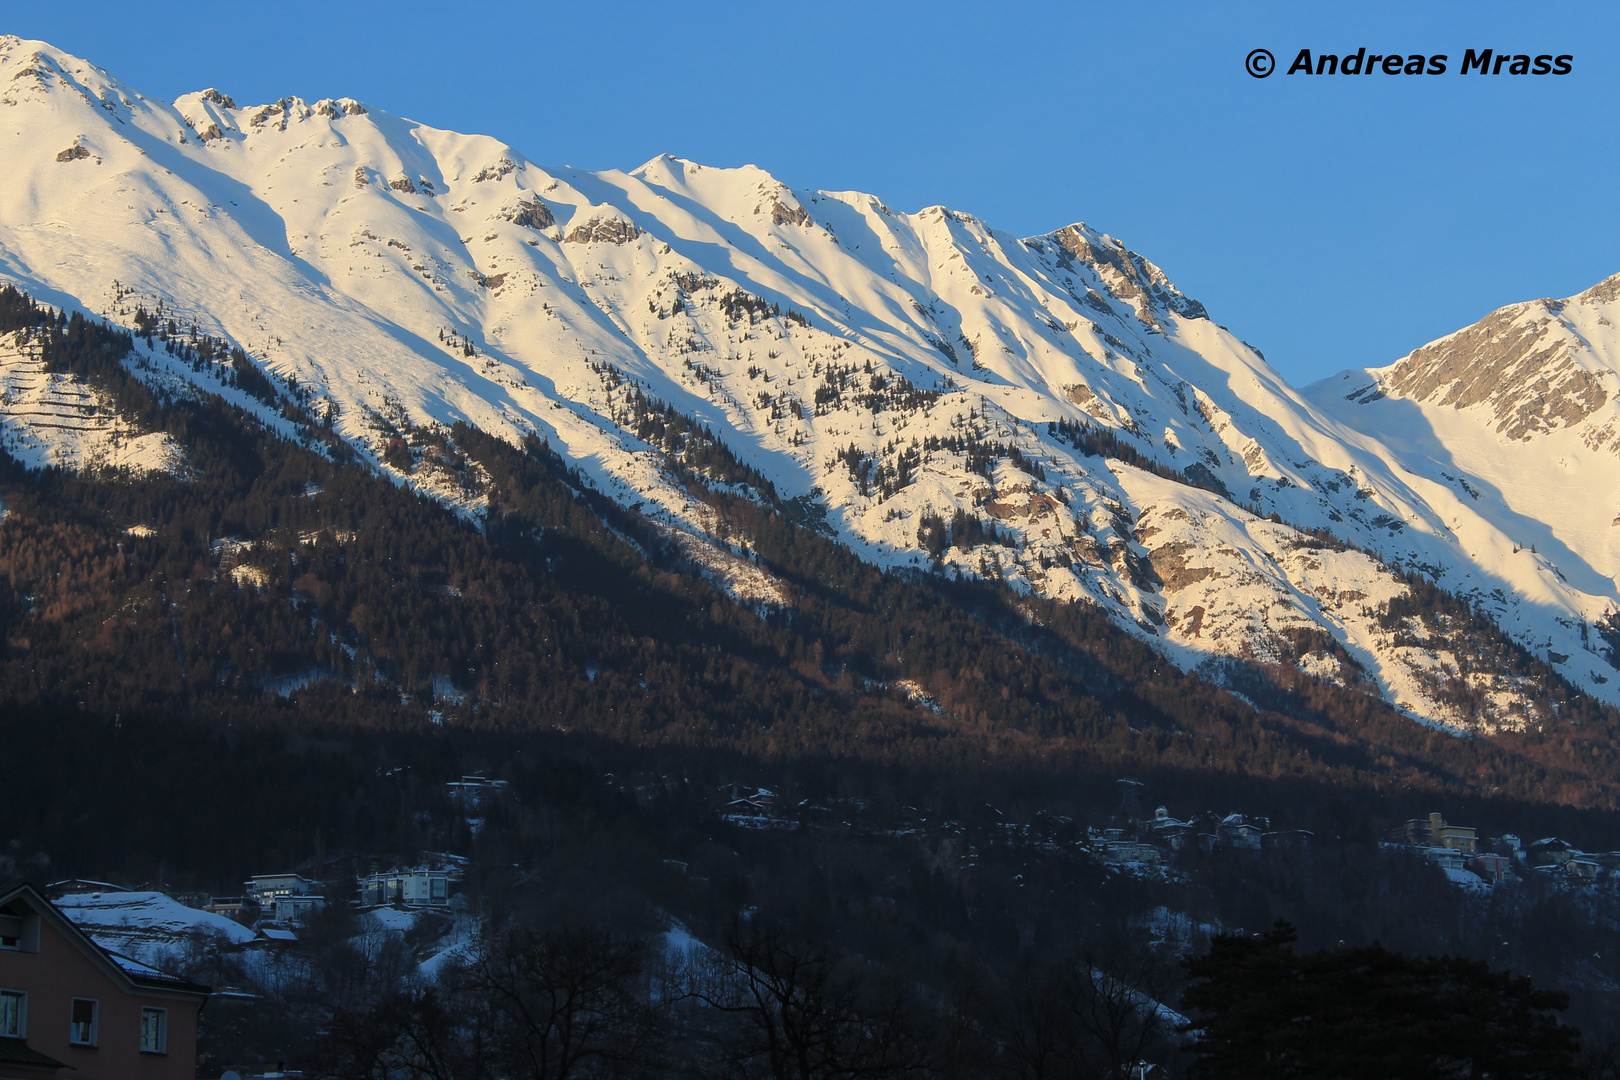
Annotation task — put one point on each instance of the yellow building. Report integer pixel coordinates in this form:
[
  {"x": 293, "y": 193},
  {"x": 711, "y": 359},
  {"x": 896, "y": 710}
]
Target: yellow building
[
  {"x": 1434, "y": 832},
  {"x": 1456, "y": 837}
]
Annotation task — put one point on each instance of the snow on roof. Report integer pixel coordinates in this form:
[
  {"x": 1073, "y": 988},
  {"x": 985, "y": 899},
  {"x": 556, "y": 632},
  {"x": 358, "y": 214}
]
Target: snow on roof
[
  {"x": 146, "y": 914},
  {"x": 131, "y": 966},
  {"x": 138, "y": 970}
]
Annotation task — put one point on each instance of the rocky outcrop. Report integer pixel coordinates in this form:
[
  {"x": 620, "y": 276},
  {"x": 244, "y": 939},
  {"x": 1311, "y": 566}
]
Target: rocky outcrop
[
  {"x": 530, "y": 213},
  {"x": 602, "y": 230},
  {"x": 1128, "y": 276},
  {"x": 1518, "y": 361}
]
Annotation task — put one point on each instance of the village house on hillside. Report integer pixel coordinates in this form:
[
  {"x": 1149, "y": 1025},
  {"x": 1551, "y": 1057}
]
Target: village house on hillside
[
  {"x": 1434, "y": 832},
  {"x": 285, "y": 898},
  {"x": 426, "y": 885},
  {"x": 66, "y": 1003},
  {"x": 472, "y": 794},
  {"x": 266, "y": 889}
]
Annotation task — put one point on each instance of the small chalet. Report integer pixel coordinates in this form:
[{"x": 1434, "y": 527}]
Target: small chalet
[
  {"x": 1130, "y": 851},
  {"x": 1239, "y": 832},
  {"x": 1287, "y": 839},
  {"x": 1583, "y": 870},
  {"x": 1168, "y": 830},
  {"x": 296, "y": 910},
  {"x": 1491, "y": 867},
  {"x": 1445, "y": 858},
  {"x": 1552, "y": 851},
  {"x": 232, "y": 907},
  {"x": 66, "y": 1003}
]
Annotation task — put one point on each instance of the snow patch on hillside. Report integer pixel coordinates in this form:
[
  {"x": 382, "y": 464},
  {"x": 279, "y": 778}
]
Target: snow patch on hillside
[{"x": 50, "y": 419}]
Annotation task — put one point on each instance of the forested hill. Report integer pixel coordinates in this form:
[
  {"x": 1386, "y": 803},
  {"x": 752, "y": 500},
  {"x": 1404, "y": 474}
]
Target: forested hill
[{"x": 272, "y": 582}]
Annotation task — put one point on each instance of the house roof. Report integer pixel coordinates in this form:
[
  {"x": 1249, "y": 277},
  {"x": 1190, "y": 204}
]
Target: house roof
[
  {"x": 18, "y": 1052},
  {"x": 148, "y": 977},
  {"x": 68, "y": 883},
  {"x": 129, "y": 974}
]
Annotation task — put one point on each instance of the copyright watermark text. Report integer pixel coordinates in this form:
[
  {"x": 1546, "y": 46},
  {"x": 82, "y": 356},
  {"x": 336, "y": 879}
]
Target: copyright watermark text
[{"x": 1262, "y": 64}]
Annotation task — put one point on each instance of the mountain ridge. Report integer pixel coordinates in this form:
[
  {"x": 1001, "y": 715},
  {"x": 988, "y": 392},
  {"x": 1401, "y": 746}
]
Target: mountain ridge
[{"x": 896, "y": 370}]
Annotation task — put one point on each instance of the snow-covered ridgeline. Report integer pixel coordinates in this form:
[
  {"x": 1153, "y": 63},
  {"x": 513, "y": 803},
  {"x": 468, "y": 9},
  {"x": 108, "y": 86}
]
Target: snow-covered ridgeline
[{"x": 886, "y": 363}]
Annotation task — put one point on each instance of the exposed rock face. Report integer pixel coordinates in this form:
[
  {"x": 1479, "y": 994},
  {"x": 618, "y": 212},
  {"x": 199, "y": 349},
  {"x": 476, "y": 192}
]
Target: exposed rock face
[
  {"x": 1520, "y": 361},
  {"x": 529, "y": 212},
  {"x": 777, "y": 202},
  {"x": 75, "y": 152},
  {"x": 1129, "y": 276},
  {"x": 602, "y": 230},
  {"x": 1170, "y": 561},
  {"x": 335, "y": 109},
  {"x": 503, "y": 167},
  {"x": 789, "y": 215}
]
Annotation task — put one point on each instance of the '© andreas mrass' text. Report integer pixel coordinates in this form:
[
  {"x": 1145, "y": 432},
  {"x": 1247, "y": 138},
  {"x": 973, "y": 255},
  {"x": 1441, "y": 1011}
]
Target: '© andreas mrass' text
[{"x": 1361, "y": 62}]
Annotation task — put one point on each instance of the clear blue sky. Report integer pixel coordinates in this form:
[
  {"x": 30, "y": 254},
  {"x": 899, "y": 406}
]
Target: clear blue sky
[{"x": 1332, "y": 222}]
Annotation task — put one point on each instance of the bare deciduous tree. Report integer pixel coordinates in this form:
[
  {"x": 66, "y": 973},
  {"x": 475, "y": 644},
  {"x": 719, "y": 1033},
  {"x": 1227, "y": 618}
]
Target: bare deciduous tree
[
  {"x": 566, "y": 1004},
  {"x": 808, "y": 1014},
  {"x": 1091, "y": 1015}
]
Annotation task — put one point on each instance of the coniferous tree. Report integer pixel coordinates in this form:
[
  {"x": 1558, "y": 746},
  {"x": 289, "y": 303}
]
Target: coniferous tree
[{"x": 1259, "y": 1011}]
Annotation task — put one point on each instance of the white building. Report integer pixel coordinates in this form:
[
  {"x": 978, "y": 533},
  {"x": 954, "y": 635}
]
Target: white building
[
  {"x": 266, "y": 889},
  {"x": 296, "y": 909},
  {"x": 416, "y": 886}
]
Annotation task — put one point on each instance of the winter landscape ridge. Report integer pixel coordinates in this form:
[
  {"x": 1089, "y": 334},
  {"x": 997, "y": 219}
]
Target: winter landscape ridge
[{"x": 939, "y": 395}]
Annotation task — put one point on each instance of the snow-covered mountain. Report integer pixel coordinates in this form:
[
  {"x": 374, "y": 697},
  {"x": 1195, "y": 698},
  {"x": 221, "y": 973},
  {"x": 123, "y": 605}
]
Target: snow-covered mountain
[{"x": 940, "y": 388}]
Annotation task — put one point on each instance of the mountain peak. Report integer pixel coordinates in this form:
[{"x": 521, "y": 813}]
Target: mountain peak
[
  {"x": 1129, "y": 276},
  {"x": 1532, "y": 368},
  {"x": 1051, "y": 412}
]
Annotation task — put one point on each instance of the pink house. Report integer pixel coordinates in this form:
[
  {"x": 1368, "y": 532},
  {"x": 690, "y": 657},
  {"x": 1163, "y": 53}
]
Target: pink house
[{"x": 68, "y": 1004}]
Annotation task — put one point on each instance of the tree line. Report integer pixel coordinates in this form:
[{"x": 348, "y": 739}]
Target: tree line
[{"x": 569, "y": 1003}]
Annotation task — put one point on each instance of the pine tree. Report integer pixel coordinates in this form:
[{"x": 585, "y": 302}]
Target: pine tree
[{"x": 1260, "y": 1012}]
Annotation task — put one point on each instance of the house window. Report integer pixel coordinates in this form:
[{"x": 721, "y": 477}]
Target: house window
[
  {"x": 154, "y": 1031},
  {"x": 82, "y": 1029},
  {"x": 13, "y": 1014}
]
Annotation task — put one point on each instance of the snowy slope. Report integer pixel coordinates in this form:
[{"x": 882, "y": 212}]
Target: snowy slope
[
  {"x": 46, "y": 419},
  {"x": 1516, "y": 421},
  {"x": 149, "y": 926},
  {"x": 892, "y": 366}
]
